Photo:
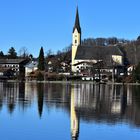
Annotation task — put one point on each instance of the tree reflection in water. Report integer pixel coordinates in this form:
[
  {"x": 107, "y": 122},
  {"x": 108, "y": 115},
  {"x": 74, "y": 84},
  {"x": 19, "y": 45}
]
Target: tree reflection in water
[{"x": 40, "y": 97}]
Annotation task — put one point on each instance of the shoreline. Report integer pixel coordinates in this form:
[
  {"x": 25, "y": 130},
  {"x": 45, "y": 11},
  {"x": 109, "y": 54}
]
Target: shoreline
[{"x": 69, "y": 82}]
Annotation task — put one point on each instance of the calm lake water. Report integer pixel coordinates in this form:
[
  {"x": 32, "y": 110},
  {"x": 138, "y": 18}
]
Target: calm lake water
[{"x": 64, "y": 111}]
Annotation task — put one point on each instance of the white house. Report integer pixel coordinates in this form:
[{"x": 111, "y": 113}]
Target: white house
[{"x": 30, "y": 67}]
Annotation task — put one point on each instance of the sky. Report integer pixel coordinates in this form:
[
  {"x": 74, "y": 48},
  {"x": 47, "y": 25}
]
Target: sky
[{"x": 49, "y": 23}]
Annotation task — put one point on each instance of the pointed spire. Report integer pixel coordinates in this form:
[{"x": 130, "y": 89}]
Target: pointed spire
[{"x": 77, "y": 22}]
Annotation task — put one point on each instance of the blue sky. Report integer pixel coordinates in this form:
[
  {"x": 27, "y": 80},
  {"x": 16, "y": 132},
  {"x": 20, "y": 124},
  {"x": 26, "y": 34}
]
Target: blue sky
[{"x": 49, "y": 23}]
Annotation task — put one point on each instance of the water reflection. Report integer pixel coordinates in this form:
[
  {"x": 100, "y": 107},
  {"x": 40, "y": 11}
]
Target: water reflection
[
  {"x": 109, "y": 104},
  {"x": 89, "y": 103},
  {"x": 40, "y": 97},
  {"x": 102, "y": 102},
  {"x": 9, "y": 94},
  {"x": 74, "y": 115}
]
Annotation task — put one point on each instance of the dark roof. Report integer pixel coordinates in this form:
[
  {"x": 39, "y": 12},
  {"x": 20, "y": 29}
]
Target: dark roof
[
  {"x": 97, "y": 53},
  {"x": 12, "y": 61},
  {"x": 77, "y": 23}
]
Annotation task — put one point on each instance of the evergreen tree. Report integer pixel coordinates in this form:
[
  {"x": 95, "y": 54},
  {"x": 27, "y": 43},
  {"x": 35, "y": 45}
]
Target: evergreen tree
[
  {"x": 136, "y": 74},
  {"x": 138, "y": 39},
  {"x": 12, "y": 53},
  {"x": 41, "y": 60},
  {"x": 1, "y": 54}
]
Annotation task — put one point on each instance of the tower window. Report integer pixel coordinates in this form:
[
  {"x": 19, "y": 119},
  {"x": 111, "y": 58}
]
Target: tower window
[{"x": 75, "y": 41}]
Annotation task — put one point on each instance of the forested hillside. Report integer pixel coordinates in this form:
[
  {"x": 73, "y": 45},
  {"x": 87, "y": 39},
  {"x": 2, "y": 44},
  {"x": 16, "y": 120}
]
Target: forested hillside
[{"x": 131, "y": 49}]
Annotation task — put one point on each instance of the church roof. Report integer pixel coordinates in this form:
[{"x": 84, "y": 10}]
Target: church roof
[
  {"x": 77, "y": 23},
  {"x": 97, "y": 53}
]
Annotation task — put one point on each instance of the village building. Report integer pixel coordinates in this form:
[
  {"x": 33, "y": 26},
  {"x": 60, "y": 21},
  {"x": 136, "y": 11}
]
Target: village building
[
  {"x": 30, "y": 67},
  {"x": 15, "y": 65},
  {"x": 85, "y": 57},
  {"x": 6, "y": 73},
  {"x": 130, "y": 69}
]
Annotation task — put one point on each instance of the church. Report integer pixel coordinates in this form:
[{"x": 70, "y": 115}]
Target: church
[{"x": 83, "y": 56}]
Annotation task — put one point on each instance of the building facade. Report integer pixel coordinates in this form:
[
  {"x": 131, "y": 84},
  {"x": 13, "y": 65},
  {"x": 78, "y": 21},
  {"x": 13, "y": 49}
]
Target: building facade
[
  {"x": 16, "y": 65},
  {"x": 32, "y": 66},
  {"x": 84, "y": 57}
]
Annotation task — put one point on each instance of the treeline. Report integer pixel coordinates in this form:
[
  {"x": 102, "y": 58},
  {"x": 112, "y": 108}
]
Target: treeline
[
  {"x": 104, "y": 41},
  {"x": 130, "y": 48},
  {"x": 131, "y": 51},
  {"x": 12, "y": 53}
]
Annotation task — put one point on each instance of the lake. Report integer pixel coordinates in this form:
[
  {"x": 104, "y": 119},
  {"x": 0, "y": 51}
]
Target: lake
[{"x": 69, "y": 111}]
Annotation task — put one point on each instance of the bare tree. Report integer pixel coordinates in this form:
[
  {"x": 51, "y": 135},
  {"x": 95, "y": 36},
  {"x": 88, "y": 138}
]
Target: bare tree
[
  {"x": 23, "y": 52},
  {"x": 49, "y": 53}
]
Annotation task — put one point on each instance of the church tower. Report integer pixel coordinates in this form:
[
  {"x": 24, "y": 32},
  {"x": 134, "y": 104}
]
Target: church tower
[{"x": 76, "y": 39}]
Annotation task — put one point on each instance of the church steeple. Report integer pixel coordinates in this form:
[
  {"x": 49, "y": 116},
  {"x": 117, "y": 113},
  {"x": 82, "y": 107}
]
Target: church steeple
[
  {"x": 77, "y": 22},
  {"x": 76, "y": 40}
]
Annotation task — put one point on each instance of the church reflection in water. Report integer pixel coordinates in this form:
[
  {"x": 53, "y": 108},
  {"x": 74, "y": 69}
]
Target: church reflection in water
[
  {"x": 86, "y": 102},
  {"x": 104, "y": 103},
  {"x": 74, "y": 115}
]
